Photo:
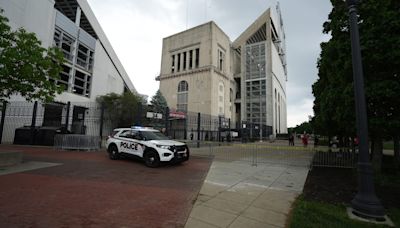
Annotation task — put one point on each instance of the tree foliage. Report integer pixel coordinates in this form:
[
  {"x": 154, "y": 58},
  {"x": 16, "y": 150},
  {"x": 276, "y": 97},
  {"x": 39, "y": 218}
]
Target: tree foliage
[
  {"x": 123, "y": 110},
  {"x": 26, "y": 67},
  {"x": 334, "y": 108},
  {"x": 380, "y": 38},
  {"x": 158, "y": 102},
  {"x": 303, "y": 127}
]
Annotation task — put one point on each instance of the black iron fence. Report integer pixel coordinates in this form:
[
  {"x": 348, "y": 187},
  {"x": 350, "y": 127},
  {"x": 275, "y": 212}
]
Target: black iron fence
[
  {"x": 37, "y": 123},
  {"x": 85, "y": 125}
]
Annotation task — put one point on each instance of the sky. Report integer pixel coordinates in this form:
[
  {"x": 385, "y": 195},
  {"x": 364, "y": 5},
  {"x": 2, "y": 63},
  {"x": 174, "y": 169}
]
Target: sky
[{"x": 136, "y": 28}]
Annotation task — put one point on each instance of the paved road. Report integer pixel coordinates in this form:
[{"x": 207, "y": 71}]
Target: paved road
[{"x": 86, "y": 189}]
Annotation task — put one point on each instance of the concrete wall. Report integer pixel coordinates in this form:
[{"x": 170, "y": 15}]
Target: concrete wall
[
  {"x": 278, "y": 84},
  {"x": 198, "y": 97},
  {"x": 34, "y": 16},
  {"x": 203, "y": 81},
  {"x": 221, "y": 42},
  {"x": 39, "y": 17},
  {"x": 197, "y": 37}
]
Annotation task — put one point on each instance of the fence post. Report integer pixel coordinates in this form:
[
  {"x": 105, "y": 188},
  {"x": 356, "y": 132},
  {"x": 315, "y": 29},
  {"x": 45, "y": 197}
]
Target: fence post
[
  {"x": 101, "y": 121},
  {"x": 3, "y": 116},
  {"x": 229, "y": 136},
  {"x": 166, "y": 116},
  {"x": 185, "y": 127},
  {"x": 198, "y": 129},
  {"x": 67, "y": 117},
  {"x": 33, "y": 123},
  {"x": 219, "y": 128}
]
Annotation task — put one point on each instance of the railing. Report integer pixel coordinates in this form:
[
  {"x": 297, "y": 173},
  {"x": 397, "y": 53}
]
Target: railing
[
  {"x": 256, "y": 153},
  {"x": 277, "y": 152},
  {"x": 76, "y": 142},
  {"x": 337, "y": 158}
]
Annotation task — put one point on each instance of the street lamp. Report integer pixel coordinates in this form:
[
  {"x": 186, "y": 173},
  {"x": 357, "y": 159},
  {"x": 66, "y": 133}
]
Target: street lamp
[{"x": 365, "y": 203}]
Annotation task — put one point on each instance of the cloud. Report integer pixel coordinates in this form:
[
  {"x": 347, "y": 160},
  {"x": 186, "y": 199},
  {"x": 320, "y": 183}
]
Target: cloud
[{"x": 300, "y": 112}]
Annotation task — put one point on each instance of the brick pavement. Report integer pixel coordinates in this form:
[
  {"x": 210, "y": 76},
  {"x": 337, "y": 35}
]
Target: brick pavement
[{"x": 89, "y": 190}]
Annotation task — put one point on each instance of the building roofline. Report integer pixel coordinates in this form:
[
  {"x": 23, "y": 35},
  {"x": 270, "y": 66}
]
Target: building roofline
[
  {"x": 250, "y": 29},
  {"x": 196, "y": 27}
]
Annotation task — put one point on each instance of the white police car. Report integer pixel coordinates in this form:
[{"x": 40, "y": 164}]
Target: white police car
[{"x": 147, "y": 143}]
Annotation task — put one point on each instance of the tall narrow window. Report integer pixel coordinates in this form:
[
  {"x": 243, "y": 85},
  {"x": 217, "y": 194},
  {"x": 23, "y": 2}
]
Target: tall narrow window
[
  {"x": 65, "y": 43},
  {"x": 197, "y": 58},
  {"x": 184, "y": 60},
  {"x": 190, "y": 59},
  {"x": 85, "y": 57},
  {"x": 82, "y": 83},
  {"x": 182, "y": 102},
  {"x": 173, "y": 64},
  {"x": 221, "y": 56},
  {"x": 64, "y": 77},
  {"x": 179, "y": 62}
]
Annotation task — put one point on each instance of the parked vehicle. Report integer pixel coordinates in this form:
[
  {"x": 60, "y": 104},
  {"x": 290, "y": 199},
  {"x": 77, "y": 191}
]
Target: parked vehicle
[{"x": 147, "y": 143}]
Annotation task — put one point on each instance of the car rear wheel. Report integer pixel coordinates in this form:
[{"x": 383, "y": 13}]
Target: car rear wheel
[
  {"x": 151, "y": 159},
  {"x": 113, "y": 152}
]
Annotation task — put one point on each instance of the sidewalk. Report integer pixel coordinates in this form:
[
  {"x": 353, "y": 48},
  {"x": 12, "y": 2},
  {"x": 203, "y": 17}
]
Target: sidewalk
[{"x": 237, "y": 194}]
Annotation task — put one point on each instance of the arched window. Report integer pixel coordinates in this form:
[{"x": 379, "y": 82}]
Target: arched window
[{"x": 182, "y": 102}]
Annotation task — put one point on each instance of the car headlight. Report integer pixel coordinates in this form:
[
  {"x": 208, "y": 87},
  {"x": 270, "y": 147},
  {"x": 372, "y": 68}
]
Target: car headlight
[{"x": 163, "y": 147}]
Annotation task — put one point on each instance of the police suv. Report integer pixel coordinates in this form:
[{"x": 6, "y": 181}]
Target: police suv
[{"x": 147, "y": 143}]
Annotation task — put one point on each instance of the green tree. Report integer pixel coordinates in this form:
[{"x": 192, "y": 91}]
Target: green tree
[
  {"x": 334, "y": 95},
  {"x": 158, "y": 102},
  {"x": 123, "y": 110},
  {"x": 303, "y": 127},
  {"x": 26, "y": 67}
]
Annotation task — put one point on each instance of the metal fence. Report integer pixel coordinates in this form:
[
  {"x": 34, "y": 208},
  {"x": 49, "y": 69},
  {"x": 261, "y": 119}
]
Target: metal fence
[
  {"x": 76, "y": 142},
  {"x": 337, "y": 158},
  {"x": 42, "y": 121},
  {"x": 257, "y": 153},
  {"x": 24, "y": 120},
  {"x": 79, "y": 125},
  {"x": 275, "y": 153}
]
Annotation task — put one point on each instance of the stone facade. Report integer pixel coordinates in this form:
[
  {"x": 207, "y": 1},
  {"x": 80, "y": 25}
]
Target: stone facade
[{"x": 243, "y": 80}]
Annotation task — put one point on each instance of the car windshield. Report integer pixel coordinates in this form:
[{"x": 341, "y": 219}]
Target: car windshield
[{"x": 153, "y": 135}]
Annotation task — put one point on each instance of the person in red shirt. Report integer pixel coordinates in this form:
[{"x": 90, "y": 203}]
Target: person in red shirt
[{"x": 304, "y": 139}]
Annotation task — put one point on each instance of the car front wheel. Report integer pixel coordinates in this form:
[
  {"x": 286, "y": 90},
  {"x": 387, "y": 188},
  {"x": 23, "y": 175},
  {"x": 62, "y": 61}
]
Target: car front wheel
[{"x": 151, "y": 159}]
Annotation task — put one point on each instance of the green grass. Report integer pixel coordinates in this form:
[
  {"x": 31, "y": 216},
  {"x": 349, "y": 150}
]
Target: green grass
[
  {"x": 394, "y": 215},
  {"x": 316, "y": 214}
]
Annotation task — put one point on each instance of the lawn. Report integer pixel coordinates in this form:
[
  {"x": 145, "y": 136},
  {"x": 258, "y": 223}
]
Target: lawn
[{"x": 328, "y": 191}]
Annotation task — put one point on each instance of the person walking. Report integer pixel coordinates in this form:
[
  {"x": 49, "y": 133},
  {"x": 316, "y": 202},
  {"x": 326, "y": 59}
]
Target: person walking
[
  {"x": 291, "y": 139},
  {"x": 304, "y": 139}
]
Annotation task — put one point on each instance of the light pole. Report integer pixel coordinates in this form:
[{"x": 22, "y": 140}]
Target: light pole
[{"x": 365, "y": 203}]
